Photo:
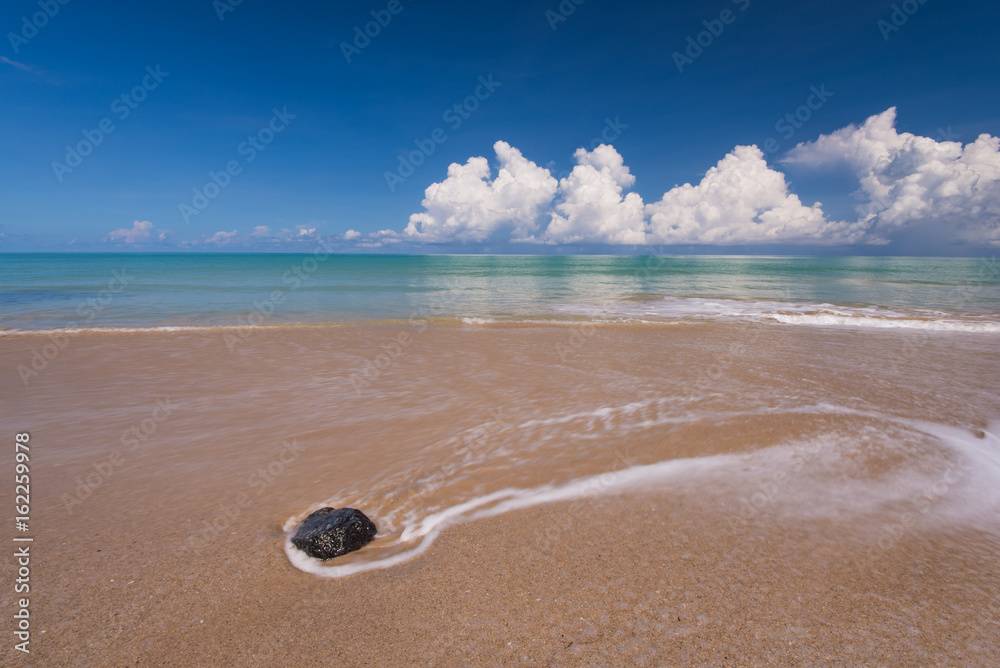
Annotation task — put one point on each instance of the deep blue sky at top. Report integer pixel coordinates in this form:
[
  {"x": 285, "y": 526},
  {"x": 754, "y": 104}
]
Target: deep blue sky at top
[{"x": 608, "y": 59}]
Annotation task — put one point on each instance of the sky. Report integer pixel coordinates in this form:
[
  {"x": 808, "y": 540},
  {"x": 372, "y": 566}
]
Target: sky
[{"x": 410, "y": 126}]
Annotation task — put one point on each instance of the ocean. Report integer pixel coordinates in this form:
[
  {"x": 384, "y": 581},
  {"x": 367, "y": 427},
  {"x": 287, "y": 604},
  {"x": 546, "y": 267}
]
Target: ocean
[{"x": 74, "y": 291}]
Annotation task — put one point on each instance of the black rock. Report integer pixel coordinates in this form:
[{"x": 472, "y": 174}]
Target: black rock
[{"x": 329, "y": 532}]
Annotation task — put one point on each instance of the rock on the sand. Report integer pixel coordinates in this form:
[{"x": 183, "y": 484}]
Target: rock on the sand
[{"x": 329, "y": 532}]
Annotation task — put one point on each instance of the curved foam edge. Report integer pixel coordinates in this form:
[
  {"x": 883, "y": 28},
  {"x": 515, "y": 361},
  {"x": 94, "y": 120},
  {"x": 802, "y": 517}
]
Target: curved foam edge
[
  {"x": 980, "y": 457},
  {"x": 500, "y": 502}
]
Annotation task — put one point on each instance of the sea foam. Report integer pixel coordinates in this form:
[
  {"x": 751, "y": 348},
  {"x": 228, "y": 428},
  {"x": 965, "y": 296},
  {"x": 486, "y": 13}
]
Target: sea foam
[
  {"x": 963, "y": 481},
  {"x": 694, "y": 309}
]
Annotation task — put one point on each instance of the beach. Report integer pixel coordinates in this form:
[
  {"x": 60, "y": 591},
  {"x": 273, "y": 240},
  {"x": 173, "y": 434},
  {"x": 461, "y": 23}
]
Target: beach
[
  {"x": 572, "y": 493},
  {"x": 562, "y": 334}
]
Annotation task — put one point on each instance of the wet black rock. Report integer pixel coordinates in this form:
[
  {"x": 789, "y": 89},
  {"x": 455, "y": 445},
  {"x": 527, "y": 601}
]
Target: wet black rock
[{"x": 329, "y": 532}]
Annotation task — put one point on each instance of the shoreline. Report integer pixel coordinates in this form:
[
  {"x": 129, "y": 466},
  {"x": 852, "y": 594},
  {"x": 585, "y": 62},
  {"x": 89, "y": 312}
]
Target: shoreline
[{"x": 969, "y": 325}]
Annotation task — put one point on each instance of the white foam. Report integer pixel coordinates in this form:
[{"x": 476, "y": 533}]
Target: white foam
[
  {"x": 831, "y": 320},
  {"x": 423, "y": 532},
  {"x": 592, "y": 321},
  {"x": 60, "y": 331},
  {"x": 976, "y": 501},
  {"x": 792, "y": 313},
  {"x": 971, "y": 498}
]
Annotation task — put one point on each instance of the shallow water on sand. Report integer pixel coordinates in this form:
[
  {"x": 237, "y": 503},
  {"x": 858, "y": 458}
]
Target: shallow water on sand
[{"x": 141, "y": 290}]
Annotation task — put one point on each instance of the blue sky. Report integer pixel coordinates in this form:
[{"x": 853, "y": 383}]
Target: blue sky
[{"x": 892, "y": 100}]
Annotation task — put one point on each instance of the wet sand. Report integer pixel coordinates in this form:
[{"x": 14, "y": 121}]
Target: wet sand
[{"x": 815, "y": 526}]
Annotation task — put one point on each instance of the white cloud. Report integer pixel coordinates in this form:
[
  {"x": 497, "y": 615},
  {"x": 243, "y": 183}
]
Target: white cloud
[
  {"x": 385, "y": 237},
  {"x": 138, "y": 233},
  {"x": 739, "y": 201},
  {"x": 221, "y": 238},
  {"x": 606, "y": 160},
  {"x": 469, "y": 207},
  {"x": 261, "y": 231},
  {"x": 351, "y": 234},
  {"x": 592, "y": 208},
  {"x": 907, "y": 179}
]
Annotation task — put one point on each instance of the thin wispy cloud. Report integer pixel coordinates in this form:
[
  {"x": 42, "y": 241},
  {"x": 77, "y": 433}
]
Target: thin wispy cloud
[{"x": 20, "y": 66}]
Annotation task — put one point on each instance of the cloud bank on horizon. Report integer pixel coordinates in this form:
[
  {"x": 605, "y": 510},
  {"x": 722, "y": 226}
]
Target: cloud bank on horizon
[{"x": 904, "y": 181}]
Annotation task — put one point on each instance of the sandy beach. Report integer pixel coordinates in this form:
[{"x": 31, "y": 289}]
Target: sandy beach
[
  {"x": 752, "y": 495},
  {"x": 542, "y": 334}
]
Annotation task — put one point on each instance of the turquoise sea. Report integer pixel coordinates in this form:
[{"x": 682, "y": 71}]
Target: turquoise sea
[{"x": 130, "y": 290}]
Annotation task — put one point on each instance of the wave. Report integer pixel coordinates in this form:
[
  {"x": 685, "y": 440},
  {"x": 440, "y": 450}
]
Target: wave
[
  {"x": 655, "y": 312},
  {"x": 158, "y": 329},
  {"x": 70, "y": 331},
  {"x": 832, "y": 320},
  {"x": 695, "y": 309}
]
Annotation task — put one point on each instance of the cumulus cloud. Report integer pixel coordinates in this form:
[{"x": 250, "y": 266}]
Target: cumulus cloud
[
  {"x": 351, "y": 234},
  {"x": 742, "y": 201},
  {"x": 907, "y": 179},
  {"x": 469, "y": 207},
  {"x": 137, "y": 234},
  {"x": 592, "y": 207},
  {"x": 261, "y": 231}
]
